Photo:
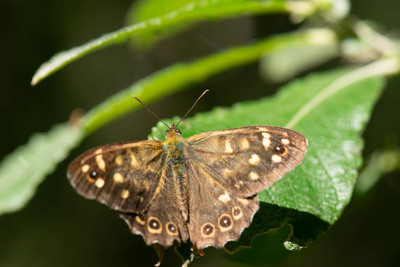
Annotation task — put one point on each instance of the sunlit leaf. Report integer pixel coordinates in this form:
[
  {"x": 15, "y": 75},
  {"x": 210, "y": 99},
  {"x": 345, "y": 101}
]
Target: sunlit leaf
[{"x": 331, "y": 110}]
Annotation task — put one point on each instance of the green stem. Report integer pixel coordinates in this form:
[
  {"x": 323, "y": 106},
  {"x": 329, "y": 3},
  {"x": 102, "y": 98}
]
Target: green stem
[{"x": 379, "y": 164}]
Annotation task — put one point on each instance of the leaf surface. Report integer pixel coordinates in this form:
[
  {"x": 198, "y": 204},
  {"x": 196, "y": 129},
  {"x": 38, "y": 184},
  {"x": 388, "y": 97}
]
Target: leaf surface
[
  {"x": 331, "y": 110},
  {"x": 192, "y": 11},
  {"x": 25, "y": 168}
]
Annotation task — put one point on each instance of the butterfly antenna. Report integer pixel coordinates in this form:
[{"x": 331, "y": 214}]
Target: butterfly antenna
[
  {"x": 206, "y": 91},
  {"x": 151, "y": 112}
]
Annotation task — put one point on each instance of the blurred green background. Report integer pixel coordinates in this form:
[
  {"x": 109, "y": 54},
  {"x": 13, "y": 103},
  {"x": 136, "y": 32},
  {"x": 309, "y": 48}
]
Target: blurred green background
[{"x": 60, "y": 228}]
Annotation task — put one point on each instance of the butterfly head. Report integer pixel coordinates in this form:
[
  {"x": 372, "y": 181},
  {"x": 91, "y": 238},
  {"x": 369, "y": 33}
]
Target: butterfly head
[
  {"x": 172, "y": 132},
  {"x": 173, "y": 139}
]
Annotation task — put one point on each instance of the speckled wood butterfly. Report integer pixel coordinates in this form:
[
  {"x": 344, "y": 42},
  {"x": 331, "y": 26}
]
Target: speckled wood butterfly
[{"x": 202, "y": 188}]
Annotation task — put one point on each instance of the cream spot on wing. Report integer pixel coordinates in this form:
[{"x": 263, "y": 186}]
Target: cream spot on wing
[
  {"x": 85, "y": 168},
  {"x": 266, "y": 135},
  {"x": 98, "y": 151},
  {"x": 239, "y": 184},
  {"x": 266, "y": 140},
  {"x": 224, "y": 198},
  {"x": 134, "y": 162},
  {"x": 99, "y": 183},
  {"x": 285, "y": 141},
  {"x": 125, "y": 194},
  {"x": 263, "y": 129},
  {"x": 118, "y": 178},
  {"x": 141, "y": 199},
  {"x": 253, "y": 176},
  {"x": 244, "y": 143},
  {"x": 100, "y": 162},
  {"x": 146, "y": 186},
  {"x": 243, "y": 201},
  {"x": 119, "y": 160},
  {"x": 227, "y": 172},
  {"x": 254, "y": 160},
  {"x": 228, "y": 147},
  {"x": 276, "y": 158}
]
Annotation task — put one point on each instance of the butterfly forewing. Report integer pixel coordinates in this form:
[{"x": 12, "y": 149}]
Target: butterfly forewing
[
  {"x": 247, "y": 160},
  {"x": 124, "y": 176}
]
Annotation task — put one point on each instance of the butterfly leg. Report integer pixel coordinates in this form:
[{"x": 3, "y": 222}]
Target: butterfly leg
[
  {"x": 160, "y": 253},
  {"x": 199, "y": 250}
]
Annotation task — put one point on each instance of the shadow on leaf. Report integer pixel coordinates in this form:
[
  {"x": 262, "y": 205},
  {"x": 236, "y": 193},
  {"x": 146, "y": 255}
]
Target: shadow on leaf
[{"x": 274, "y": 233}]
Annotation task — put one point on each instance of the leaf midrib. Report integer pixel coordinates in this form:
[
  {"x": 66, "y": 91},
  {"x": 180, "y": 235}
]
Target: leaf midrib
[{"x": 375, "y": 69}]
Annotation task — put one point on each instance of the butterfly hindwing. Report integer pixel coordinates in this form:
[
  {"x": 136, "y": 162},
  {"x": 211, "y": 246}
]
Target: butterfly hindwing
[
  {"x": 247, "y": 160},
  {"x": 162, "y": 223},
  {"x": 216, "y": 215},
  {"x": 124, "y": 176}
]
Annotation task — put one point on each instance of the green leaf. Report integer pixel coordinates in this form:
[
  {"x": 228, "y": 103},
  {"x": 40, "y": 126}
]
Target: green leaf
[
  {"x": 331, "y": 110},
  {"x": 180, "y": 76},
  {"x": 187, "y": 14},
  {"x": 193, "y": 11},
  {"x": 285, "y": 64},
  {"x": 270, "y": 247},
  {"x": 175, "y": 78},
  {"x": 24, "y": 169}
]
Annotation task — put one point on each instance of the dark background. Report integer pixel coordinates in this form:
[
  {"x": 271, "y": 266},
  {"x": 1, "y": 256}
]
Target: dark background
[{"x": 60, "y": 228}]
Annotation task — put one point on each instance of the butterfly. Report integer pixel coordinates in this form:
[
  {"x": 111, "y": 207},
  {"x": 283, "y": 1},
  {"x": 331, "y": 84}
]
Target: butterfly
[{"x": 201, "y": 189}]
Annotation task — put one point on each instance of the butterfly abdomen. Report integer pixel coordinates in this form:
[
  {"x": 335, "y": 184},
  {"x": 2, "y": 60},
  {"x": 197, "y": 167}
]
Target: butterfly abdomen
[{"x": 173, "y": 148}]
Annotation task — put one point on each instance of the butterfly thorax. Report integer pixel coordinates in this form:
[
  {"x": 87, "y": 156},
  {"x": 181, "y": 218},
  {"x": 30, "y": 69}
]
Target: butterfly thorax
[{"x": 173, "y": 147}]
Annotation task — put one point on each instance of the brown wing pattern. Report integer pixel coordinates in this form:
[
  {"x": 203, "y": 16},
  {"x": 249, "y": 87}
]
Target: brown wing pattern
[
  {"x": 221, "y": 173},
  {"x": 124, "y": 176},
  {"x": 216, "y": 215},
  {"x": 247, "y": 160},
  {"x": 227, "y": 169},
  {"x": 162, "y": 223}
]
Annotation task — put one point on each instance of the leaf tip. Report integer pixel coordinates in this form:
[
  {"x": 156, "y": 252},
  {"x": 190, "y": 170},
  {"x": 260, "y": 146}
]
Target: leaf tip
[{"x": 35, "y": 80}]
